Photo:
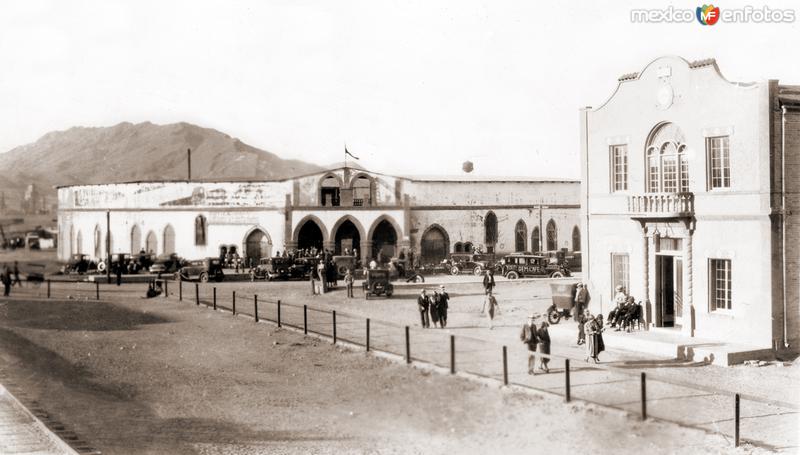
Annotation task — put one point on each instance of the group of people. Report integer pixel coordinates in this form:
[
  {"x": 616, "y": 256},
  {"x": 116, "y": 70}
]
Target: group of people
[
  {"x": 626, "y": 311},
  {"x": 537, "y": 338},
  {"x": 590, "y": 327},
  {"x": 433, "y": 308},
  {"x": 10, "y": 277}
]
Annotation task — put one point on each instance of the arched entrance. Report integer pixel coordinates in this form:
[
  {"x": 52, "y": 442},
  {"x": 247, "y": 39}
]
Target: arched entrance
[
  {"x": 309, "y": 236},
  {"x": 434, "y": 245},
  {"x": 169, "y": 239},
  {"x": 79, "y": 243},
  {"x": 136, "y": 239},
  {"x": 347, "y": 237},
  {"x": 384, "y": 240},
  {"x": 150, "y": 242},
  {"x": 257, "y": 246}
]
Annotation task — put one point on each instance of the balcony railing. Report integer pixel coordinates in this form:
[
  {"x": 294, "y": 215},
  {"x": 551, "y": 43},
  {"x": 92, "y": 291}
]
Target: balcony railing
[{"x": 661, "y": 205}]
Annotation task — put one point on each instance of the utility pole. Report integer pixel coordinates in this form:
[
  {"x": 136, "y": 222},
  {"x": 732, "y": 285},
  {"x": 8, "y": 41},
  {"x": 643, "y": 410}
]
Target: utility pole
[
  {"x": 189, "y": 152},
  {"x": 541, "y": 232},
  {"x": 108, "y": 245}
]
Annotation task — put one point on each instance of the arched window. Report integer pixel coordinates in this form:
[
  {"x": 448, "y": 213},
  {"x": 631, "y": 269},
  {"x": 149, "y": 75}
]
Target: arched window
[
  {"x": 329, "y": 191},
  {"x": 458, "y": 247},
  {"x": 552, "y": 236},
  {"x": 169, "y": 240},
  {"x": 490, "y": 231},
  {"x": 362, "y": 191},
  {"x": 468, "y": 247},
  {"x": 667, "y": 160},
  {"x": 98, "y": 243},
  {"x": 151, "y": 243},
  {"x": 71, "y": 240},
  {"x": 536, "y": 244},
  {"x": 79, "y": 243},
  {"x": 200, "y": 230},
  {"x": 576, "y": 239},
  {"x": 136, "y": 239},
  {"x": 520, "y": 236}
]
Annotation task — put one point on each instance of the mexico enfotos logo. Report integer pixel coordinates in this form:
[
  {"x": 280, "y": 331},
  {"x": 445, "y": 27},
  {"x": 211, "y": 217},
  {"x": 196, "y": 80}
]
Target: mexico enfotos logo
[{"x": 711, "y": 14}]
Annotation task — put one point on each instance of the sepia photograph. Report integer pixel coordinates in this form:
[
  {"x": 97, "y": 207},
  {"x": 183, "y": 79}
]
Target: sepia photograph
[{"x": 399, "y": 227}]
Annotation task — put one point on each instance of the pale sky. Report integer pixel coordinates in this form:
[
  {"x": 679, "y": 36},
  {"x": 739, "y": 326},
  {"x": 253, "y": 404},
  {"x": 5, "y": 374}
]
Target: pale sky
[{"x": 412, "y": 86}]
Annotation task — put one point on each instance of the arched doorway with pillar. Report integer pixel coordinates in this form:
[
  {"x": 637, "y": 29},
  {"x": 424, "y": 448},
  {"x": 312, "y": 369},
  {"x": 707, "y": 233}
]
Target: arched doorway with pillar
[
  {"x": 384, "y": 235},
  {"x": 310, "y": 233},
  {"x": 257, "y": 245},
  {"x": 434, "y": 245},
  {"x": 347, "y": 234}
]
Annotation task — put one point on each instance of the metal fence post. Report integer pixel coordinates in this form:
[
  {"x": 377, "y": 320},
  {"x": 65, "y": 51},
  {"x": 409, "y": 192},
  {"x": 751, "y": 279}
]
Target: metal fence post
[
  {"x": 566, "y": 381},
  {"x": 644, "y": 397},
  {"x": 234, "y": 303},
  {"x": 255, "y": 304},
  {"x": 197, "y": 294},
  {"x": 408, "y": 347},
  {"x": 166, "y": 288},
  {"x": 736, "y": 421},
  {"x": 279, "y": 312},
  {"x": 180, "y": 289},
  {"x": 305, "y": 319},
  {"x": 452, "y": 354},
  {"x": 215, "y": 298},
  {"x": 367, "y": 334},
  {"x": 48, "y": 289},
  {"x": 505, "y": 365},
  {"x": 334, "y": 326},
  {"x": 97, "y": 289}
]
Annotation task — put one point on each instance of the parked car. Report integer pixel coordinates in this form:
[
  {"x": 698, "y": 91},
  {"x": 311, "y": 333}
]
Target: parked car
[
  {"x": 117, "y": 259},
  {"x": 281, "y": 268},
  {"x": 79, "y": 263},
  {"x": 343, "y": 263},
  {"x": 474, "y": 263},
  {"x": 377, "y": 283},
  {"x": 518, "y": 265},
  {"x": 201, "y": 269},
  {"x": 167, "y": 263}
]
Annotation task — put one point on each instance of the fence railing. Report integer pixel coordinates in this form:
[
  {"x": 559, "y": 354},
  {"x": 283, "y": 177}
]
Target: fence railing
[{"x": 607, "y": 385}]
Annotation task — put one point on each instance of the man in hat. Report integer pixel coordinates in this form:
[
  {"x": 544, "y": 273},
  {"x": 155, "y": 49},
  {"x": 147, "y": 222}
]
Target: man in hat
[
  {"x": 581, "y": 300},
  {"x": 423, "y": 302},
  {"x": 444, "y": 298},
  {"x": 619, "y": 299},
  {"x": 528, "y": 335},
  {"x": 488, "y": 281},
  {"x": 491, "y": 302}
]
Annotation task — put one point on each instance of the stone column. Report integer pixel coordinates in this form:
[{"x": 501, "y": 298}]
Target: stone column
[
  {"x": 688, "y": 314},
  {"x": 648, "y": 311}
]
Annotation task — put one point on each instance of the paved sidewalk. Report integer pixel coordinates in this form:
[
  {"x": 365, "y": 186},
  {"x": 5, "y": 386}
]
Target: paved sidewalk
[{"x": 22, "y": 433}]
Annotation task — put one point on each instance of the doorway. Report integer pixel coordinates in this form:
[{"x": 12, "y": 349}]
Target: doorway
[{"x": 669, "y": 291}]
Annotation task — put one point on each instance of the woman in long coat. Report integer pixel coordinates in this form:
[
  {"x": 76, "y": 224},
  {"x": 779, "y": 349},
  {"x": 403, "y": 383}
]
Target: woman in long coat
[
  {"x": 590, "y": 329},
  {"x": 436, "y": 301},
  {"x": 544, "y": 345}
]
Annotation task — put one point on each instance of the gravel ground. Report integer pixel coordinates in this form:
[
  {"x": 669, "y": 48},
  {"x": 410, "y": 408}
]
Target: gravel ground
[{"x": 147, "y": 377}]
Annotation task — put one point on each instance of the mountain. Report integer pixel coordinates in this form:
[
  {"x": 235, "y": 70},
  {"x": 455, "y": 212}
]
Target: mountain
[{"x": 127, "y": 152}]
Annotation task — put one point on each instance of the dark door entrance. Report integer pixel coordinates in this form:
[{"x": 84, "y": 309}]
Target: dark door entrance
[
  {"x": 666, "y": 291},
  {"x": 347, "y": 238}
]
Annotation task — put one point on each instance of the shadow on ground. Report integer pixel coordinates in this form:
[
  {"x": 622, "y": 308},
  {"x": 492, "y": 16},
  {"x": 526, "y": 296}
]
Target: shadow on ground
[{"x": 78, "y": 315}]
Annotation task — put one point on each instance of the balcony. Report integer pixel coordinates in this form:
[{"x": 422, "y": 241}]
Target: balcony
[{"x": 661, "y": 205}]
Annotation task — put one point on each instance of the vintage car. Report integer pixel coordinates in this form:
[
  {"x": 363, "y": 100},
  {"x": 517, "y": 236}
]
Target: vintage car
[
  {"x": 343, "y": 263},
  {"x": 473, "y": 263},
  {"x": 400, "y": 269},
  {"x": 202, "y": 269},
  {"x": 79, "y": 263},
  {"x": 518, "y": 265},
  {"x": 376, "y": 282},
  {"x": 117, "y": 259},
  {"x": 167, "y": 263},
  {"x": 281, "y": 268}
]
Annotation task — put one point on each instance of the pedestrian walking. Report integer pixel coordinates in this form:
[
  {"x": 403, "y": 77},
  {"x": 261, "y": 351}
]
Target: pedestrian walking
[
  {"x": 423, "y": 302},
  {"x": 323, "y": 286},
  {"x": 348, "y": 281},
  {"x": 490, "y": 304},
  {"x": 435, "y": 300},
  {"x": 6, "y": 278},
  {"x": 581, "y": 320},
  {"x": 444, "y": 304},
  {"x": 529, "y": 337},
  {"x": 581, "y": 300},
  {"x": 594, "y": 339},
  {"x": 16, "y": 274},
  {"x": 544, "y": 346},
  {"x": 488, "y": 281}
]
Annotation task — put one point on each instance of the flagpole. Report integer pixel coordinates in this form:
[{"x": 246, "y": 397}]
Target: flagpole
[{"x": 345, "y": 154}]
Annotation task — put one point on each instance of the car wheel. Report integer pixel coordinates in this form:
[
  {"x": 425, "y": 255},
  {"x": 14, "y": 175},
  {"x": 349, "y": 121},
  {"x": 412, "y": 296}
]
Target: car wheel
[
  {"x": 477, "y": 271},
  {"x": 101, "y": 266},
  {"x": 204, "y": 277},
  {"x": 512, "y": 275},
  {"x": 419, "y": 279},
  {"x": 454, "y": 270},
  {"x": 556, "y": 275},
  {"x": 553, "y": 317}
]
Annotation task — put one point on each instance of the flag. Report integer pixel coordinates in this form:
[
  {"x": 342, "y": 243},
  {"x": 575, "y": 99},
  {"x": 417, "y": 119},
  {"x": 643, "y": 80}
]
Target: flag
[{"x": 346, "y": 152}]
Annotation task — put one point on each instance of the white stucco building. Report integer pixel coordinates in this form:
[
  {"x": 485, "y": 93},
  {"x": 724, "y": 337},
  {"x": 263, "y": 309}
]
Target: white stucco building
[
  {"x": 342, "y": 208},
  {"x": 684, "y": 202}
]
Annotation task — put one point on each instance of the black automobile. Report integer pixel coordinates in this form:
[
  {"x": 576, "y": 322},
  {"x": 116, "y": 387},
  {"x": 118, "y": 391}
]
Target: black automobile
[
  {"x": 79, "y": 263},
  {"x": 167, "y": 263},
  {"x": 473, "y": 263},
  {"x": 519, "y": 265},
  {"x": 281, "y": 268},
  {"x": 377, "y": 283},
  {"x": 202, "y": 270}
]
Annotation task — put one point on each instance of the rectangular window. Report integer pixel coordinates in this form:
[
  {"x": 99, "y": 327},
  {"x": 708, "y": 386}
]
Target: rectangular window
[
  {"x": 719, "y": 284},
  {"x": 684, "y": 168},
  {"x": 719, "y": 162},
  {"x": 652, "y": 169},
  {"x": 670, "y": 169},
  {"x": 619, "y": 167},
  {"x": 620, "y": 271}
]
